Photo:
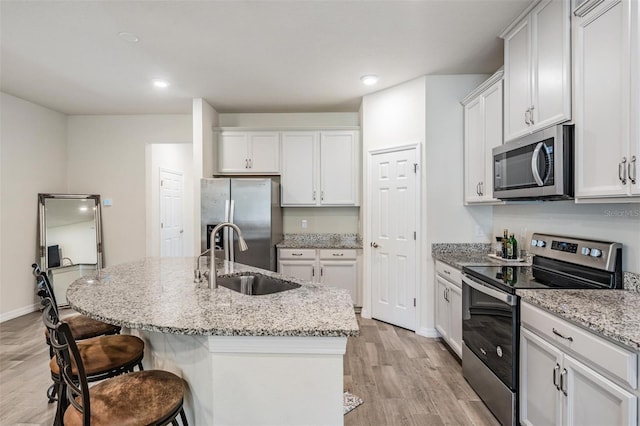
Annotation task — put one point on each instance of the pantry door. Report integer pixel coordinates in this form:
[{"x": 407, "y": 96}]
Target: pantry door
[
  {"x": 393, "y": 220},
  {"x": 171, "y": 226}
]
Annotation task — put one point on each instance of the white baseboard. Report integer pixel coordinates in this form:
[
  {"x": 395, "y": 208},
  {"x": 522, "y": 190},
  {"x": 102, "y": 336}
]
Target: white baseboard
[
  {"x": 19, "y": 312},
  {"x": 427, "y": 332},
  {"x": 364, "y": 313}
]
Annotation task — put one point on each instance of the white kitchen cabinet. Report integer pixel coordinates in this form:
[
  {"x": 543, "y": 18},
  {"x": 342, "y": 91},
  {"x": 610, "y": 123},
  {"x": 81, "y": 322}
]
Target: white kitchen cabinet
[
  {"x": 482, "y": 133},
  {"x": 449, "y": 305},
  {"x": 332, "y": 267},
  {"x": 252, "y": 152},
  {"x": 562, "y": 383},
  {"x": 537, "y": 69},
  {"x": 320, "y": 168},
  {"x": 607, "y": 100}
]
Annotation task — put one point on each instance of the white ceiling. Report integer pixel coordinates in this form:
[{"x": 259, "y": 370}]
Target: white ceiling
[{"x": 240, "y": 56}]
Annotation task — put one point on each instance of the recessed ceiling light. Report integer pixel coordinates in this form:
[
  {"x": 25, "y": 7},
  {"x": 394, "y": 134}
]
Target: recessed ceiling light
[
  {"x": 130, "y": 37},
  {"x": 369, "y": 80},
  {"x": 160, "y": 84}
]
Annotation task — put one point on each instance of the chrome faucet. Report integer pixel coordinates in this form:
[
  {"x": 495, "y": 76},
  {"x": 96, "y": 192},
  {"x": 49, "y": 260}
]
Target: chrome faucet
[
  {"x": 197, "y": 274},
  {"x": 242, "y": 245}
]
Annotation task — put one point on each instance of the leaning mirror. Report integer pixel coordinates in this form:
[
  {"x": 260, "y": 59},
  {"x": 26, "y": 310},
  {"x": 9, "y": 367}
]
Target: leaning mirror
[{"x": 70, "y": 238}]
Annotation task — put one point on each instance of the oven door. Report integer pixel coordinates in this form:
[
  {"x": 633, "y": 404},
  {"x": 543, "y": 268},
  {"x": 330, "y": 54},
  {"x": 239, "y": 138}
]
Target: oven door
[{"x": 490, "y": 321}]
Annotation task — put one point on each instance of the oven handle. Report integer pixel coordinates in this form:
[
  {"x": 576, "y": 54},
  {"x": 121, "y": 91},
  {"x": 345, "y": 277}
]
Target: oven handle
[{"x": 496, "y": 294}]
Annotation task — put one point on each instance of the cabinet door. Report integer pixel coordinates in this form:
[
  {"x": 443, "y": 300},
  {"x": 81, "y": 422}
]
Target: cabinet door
[
  {"x": 265, "y": 152},
  {"x": 602, "y": 85},
  {"x": 592, "y": 400},
  {"x": 339, "y": 171},
  {"x": 540, "y": 367},
  {"x": 299, "y": 169},
  {"x": 551, "y": 44},
  {"x": 341, "y": 274},
  {"x": 492, "y": 134},
  {"x": 517, "y": 80},
  {"x": 442, "y": 308},
  {"x": 302, "y": 269},
  {"x": 233, "y": 156},
  {"x": 474, "y": 150},
  {"x": 455, "y": 309}
]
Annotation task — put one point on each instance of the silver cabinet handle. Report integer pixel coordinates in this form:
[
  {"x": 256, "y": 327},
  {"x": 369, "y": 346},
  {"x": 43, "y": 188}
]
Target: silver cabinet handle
[
  {"x": 481, "y": 188},
  {"x": 374, "y": 245},
  {"x": 531, "y": 115},
  {"x": 246, "y": 163},
  {"x": 622, "y": 171},
  {"x": 313, "y": 271},
  {"x": 556, "y": 370},
  {"x": 632, "y": 168},
  {"x": 321, "y": 195},
  {"x": 296, "y": 254},
  {"x": 314, "y": 195},
  {"x": 526, "y": 118},
  {"x": 563, "y": 381},
  {"x": 447, "y": 272},
  {"x": 478, "y": 188},
  {"x": 337, "y": 254},
  {"x": 557, "y": 333}
]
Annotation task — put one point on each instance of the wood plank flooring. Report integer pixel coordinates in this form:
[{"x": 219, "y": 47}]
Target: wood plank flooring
[{"x": 403, "y": 378}]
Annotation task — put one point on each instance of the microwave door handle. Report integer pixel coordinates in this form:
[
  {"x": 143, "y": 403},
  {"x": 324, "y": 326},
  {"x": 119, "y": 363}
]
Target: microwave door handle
[{"x": 534, "y": 164}]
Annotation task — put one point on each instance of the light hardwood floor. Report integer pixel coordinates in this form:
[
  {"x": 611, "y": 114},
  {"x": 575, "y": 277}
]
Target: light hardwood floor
[{"x": 403, "y": 378}]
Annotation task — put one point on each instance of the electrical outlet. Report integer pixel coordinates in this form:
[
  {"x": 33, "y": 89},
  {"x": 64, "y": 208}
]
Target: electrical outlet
[
  {"x": 304, "y": 224},
  {"x": 479, "y": 231}
]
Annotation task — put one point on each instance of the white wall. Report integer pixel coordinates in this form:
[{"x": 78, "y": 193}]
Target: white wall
[
  {"x": 33, "y": 160},
  {"x": 106, "y": 156},
  {"x": 317, "y": 119},
  {"x": 608, "y": 222},
  {"x": 77, "y": 242},
  {"x": 176, "y": 157},
  {"x": 321, "y": 220}
]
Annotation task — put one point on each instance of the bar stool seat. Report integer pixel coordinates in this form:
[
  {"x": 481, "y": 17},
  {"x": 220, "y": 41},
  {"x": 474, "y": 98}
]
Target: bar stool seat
[
  {"x": 83, "y": 327},
  {"x": 104, "y": 356},
  {"x": 140, "y": 398}
]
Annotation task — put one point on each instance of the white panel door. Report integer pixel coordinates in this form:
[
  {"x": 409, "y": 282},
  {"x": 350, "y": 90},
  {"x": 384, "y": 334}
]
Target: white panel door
[
  {"x": 517, "y": 80},
  {"x": 393, "y": 217},
  {"x": 474, "y": 150},
  {"x": 299, "y": 169},
  {"x": 455, "y": 320},
  {"x": 443, "y": 311},
  {"x": 341, "y": 274},
  {"x": 264, "y": 152},
  {"x": 492, "y": 134},
  {"x": 233, "y": 152},
  {"x": 171, "y": 227},
  {"x": 302, "y": 269},
  {"x": 592, "y": 400},
  {"x": 339, "y": 168}
]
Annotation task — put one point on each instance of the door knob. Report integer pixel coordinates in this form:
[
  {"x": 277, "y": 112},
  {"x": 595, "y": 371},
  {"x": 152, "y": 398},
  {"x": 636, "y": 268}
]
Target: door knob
[{"x": 374, "y": 245}]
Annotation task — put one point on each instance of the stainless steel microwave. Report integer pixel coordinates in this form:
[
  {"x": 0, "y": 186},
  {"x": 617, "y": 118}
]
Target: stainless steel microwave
[{"x": 538, "y": 166}]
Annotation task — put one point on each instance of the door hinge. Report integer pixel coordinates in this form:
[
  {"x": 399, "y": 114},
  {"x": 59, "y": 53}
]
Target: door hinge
[
  {"x": 414, "y": 302},
  {"x": 161, "y": 225},
  {"x": 415, "y": 167},
  {"x": 414, "y": 235}
]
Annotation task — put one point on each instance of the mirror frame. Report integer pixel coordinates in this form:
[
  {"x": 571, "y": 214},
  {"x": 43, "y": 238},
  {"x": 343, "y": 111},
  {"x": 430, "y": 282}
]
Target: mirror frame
[{"x": 42, "y": 230}]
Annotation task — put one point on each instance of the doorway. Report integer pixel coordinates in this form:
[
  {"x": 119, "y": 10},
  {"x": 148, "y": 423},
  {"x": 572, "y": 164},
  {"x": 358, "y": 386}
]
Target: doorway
[
  {"x": 171, "y": 213},
  {"x": 394, "y": 194}
]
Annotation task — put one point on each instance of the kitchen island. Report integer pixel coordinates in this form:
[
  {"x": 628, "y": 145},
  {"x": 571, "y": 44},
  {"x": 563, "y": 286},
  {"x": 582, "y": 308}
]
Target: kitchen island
[{"x": 271, "y": 359}]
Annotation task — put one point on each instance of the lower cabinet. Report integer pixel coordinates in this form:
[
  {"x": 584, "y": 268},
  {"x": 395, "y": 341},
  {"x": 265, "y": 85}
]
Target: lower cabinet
[
  {"x": 558, "y": 388},
  {"x": 336, "y": 268},
  {"x": 449, "y": 305}
]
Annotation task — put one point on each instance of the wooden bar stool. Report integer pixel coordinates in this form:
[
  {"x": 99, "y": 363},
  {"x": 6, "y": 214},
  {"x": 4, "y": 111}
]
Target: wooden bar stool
[{"x": 151, "y": 397}]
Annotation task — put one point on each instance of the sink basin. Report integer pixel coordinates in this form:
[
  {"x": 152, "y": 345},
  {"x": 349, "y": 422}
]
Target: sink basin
[{"x": 255, "y": 284}]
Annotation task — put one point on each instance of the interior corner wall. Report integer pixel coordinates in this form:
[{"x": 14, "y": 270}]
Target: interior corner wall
[
  {"x": 107, "y": 156},
  {"x": 33, "y": 160},
  {"x": 448, "y": 219}
]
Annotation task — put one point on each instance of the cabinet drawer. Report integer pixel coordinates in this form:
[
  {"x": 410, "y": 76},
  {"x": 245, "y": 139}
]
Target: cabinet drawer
[
  {"x": 449, "y": 272},
  {"x": 342, "y": 254},
  {"x": 297, "y": 254},
  {"x": 603, "y": 355}
]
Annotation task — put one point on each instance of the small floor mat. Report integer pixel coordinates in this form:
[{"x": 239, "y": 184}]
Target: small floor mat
[{"x": 351, "y": 401}]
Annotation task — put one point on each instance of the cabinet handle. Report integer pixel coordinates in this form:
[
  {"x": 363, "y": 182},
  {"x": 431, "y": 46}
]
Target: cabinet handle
[
  {"x": 557, "y": 333},
  {"x": 444, "y": 294},
  {"x": 526, "y": 118},
  {"x": 556, "y": 369},
  {"x": 251, "y": 163},
  {"x": 321, "y": 271},
  {"x": 622, "y": 171},
  {"x": 246, "y": 163},
  {"x": 563, "y": 381},
  {"x": 481, "y": 188},
  {"x": 447, "y": 272},
  {"x": 313, "y": 271},
  {"x": 296, "y": 254},
  {"x": 478, "y": 188},
  {"x": 338, "y": 254},
  {"x": 314, "y": 195},
  {"x": 321, "y": 195},
  {"x": 632, "y": 168},
  {"x": 531, "y": 115}
]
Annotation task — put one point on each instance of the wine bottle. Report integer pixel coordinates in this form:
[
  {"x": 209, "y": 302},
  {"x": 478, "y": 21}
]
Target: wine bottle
[
  {"x": 509, "y": 248},
  {"x": 505, "y": 243},
  {"x": 514, "y": 247}
]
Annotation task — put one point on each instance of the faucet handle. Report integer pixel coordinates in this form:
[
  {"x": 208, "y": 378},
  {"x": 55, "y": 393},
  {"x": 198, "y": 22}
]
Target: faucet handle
[{"x": 197, "y": 276}]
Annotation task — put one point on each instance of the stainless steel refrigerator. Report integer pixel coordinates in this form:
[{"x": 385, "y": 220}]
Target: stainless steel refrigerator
[{"x": 251, "y": 203}]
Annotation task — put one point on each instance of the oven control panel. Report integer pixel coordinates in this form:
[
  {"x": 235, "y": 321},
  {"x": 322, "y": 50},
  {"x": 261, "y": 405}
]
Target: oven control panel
[{"x": 595, "y": 254}]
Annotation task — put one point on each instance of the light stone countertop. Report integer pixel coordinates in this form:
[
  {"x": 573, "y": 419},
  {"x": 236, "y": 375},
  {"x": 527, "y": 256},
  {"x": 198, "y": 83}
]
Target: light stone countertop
[
  {"x": 320, "y": 241},
  {"x": 459, "y": 255},
  {"x": 613, "y": 314},
  {"x": 158, "y": 294}
]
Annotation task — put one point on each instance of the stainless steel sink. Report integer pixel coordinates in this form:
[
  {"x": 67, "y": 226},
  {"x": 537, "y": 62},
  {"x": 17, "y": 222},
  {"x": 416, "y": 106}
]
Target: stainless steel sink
[{"x": 255, "y": 284}]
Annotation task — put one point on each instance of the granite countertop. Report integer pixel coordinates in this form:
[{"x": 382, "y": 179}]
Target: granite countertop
[
  {"x": 613, "y": 314},
  {"x": 321, "y": 241},
  {"x": 472, "y": 254},
  {"x": 158, "y": 294}
]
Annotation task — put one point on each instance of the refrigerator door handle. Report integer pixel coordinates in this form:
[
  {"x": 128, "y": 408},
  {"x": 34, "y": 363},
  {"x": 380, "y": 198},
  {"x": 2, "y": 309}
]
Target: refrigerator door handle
[
  {"x": 225, "y": 230},
  {"x": 232, "y": 252}
]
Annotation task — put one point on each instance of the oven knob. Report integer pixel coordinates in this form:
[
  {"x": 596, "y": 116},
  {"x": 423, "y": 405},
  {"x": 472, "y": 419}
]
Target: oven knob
[
  {"x": 586, "y": 251},
  {"x": 541, "y": 243},
  {"x": 499, "y": 351},
  {"x": 534, "y": 243},
  {"x": 596, "y": 253}
]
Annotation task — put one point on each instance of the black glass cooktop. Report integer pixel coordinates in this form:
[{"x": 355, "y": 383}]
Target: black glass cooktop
[{"x": 544, "y": 274}]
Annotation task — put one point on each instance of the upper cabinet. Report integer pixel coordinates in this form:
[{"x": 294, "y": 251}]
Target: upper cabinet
[
  {"x": 607, "y": 98},
  {"x": 320, "y": 168},
  {"x": 537, "y": 72},
  {"x": 250, "y": 152},
  {"x": 482, "y": 132}
]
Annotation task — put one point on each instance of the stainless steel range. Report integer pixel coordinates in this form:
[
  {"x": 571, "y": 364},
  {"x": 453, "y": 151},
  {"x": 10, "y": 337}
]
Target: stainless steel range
[{"x": 491, "y": 309}]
